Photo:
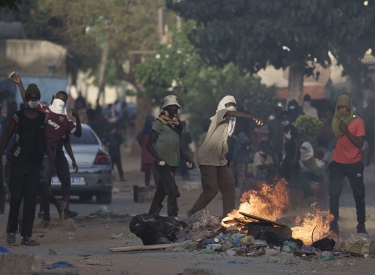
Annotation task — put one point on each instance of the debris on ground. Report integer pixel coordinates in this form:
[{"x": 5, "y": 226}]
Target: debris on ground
[
  {"x": 16, "y": 264},
  {"x": 103, "y": 212},
  {"x": 60, "y": 264}
]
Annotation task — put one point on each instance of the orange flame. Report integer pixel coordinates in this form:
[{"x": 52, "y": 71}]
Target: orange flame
[
  {"x": 313, "y": 226},
  {"x": 269, "y": 202}
]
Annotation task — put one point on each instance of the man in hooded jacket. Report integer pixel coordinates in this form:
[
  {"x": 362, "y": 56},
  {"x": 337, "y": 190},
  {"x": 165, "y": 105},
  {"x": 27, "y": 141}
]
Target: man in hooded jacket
[
  {"x": 212, "y": 159},
  {"x": 347, "y": 162}
]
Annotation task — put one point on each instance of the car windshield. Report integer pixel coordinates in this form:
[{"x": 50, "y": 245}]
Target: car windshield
[{"x": 88, "y": 137}]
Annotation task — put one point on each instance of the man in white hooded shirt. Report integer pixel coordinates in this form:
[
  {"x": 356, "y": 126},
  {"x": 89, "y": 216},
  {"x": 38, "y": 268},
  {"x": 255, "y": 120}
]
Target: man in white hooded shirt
[
  {"x": 212, "y": 159},
  {"x": 307, "y": 109}
]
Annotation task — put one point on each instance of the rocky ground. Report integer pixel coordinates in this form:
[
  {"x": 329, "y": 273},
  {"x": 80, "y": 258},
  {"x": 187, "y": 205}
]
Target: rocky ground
[{"x": 86, "y": 242}]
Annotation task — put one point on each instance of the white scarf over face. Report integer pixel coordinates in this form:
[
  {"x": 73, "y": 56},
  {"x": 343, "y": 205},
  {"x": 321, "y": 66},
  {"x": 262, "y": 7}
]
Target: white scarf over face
[
  {"x": 58, "y": 107},
  {"x": 232, "y": 120}
]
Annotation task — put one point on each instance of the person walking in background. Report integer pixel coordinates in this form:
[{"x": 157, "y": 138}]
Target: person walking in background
[
  {"x": 114, "y": 141},
  {"x": 30, "y": 126},
  {"x": 294, "y": 110},
  {"x": 80, "y": 102},
  {"x": 347, "y": 162},
  {"x": 263, "y": 163},
  {"x": 147, "y": 160},
  {"x": 212, "y": 160},
  {"x": 275, "y": 135},
  {"x": 307, "y": 109},
  {"x": 290, "y": 167},
  {"x": 164, "y": 145},
  {"x": 185, "y": 140},
  {"x": 240, "y": 156}
]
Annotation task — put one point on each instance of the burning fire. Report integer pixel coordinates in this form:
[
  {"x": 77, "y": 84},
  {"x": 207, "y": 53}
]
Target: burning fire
[
  {"x": 269, "y": 203},
  {"x": 313, "y": 226}
]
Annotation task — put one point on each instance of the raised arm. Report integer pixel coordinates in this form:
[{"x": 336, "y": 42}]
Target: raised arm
[
  {"x": 78, "y": 131},
  {"x": 17, "y": 79},
  {"x": 258, "y": 121}
]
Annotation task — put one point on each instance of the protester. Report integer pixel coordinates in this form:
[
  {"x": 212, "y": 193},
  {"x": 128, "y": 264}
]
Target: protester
[
  {"x": 185, "y": 140},
  {"x": 59, "y": 125},
  {"x": 294, "y": 110},
  {"x": 369, "y": 119},
  {"x": 347, "y": 162},
  {"x": 147, "y": 160},
  {"x": 263, "y": 163},
  {"x": 290, "y": 166},
  {"x": 240, "y": 156},
  {"x": 30, "y": 126},
  {"x": 307, "y": 109},
  {"x": 80, "y": 102},
  {"x": 275, "y": 135},
  {"x": 164, "y": 145},
  {"x": 114, "y": 141},
  {"x": 212, "y": 160}
]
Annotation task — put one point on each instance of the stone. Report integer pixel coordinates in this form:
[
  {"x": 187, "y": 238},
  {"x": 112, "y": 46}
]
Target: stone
[
  {"x": 231, "y": 252},
  {"x": 20, "y": 264},
  {"x": 227, "y": 246},
  {"x": 194, "y": 271},
  {"x": 215, "y": 246},
  {"x": 272, "y": 252},
  {"x": 189, "y": 245},
  {"x": 358, "y": 243},
  {"x": 286, "y": 258}
]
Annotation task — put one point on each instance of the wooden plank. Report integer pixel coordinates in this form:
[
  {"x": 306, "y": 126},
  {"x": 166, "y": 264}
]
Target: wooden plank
[
  {"x": 262, "y": 219},
  {"x": 142, "y": 247}
]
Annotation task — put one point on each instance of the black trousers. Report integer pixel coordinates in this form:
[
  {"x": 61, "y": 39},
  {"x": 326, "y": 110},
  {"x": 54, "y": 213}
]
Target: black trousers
[
  {"x": 166, "y": 187},
  {"x": 116, "y": 160},
  {"x": 354, "y": 172},
  {"x": 63, "y": 173},
  {"x": 23, "y": 184},
  {"x": 2, "y": 191}
]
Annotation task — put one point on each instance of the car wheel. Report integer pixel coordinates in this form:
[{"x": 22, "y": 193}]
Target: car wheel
[
  {"x": 86, "y": 197},
  {"x": 105, "y": 198}
]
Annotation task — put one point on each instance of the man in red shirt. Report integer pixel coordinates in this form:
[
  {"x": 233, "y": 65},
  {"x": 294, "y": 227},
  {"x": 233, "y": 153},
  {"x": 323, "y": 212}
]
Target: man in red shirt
[
  {"x": 347, "y": 162},
  {"x": 58, "y": 125}
]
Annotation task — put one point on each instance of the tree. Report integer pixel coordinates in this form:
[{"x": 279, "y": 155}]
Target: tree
[
  {"x": 11, "y": 4},
  {"x": 180, "y": 70},
  {"x": 289, "y": 33}
]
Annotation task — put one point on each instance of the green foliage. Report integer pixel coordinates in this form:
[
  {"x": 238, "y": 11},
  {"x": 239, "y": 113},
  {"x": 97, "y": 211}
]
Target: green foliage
[
  {"x": 180, "y": 70},
  {"x": 255, "y": 33},
  {"x": 11, "y": 4},
  {"x": 308, "y": 127}
]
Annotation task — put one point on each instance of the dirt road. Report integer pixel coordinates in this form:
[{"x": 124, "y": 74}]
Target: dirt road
[{"x": 86, "y": 241}]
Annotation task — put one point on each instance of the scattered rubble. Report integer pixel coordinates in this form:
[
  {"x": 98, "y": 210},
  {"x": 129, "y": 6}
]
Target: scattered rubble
[{"x": 359, "y": 244}]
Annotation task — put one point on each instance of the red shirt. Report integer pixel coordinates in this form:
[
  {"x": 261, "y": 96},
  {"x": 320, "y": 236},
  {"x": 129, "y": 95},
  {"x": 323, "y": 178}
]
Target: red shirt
[
  {"x": 345, "y": 151},
  {"x": 57, "y": 126}
]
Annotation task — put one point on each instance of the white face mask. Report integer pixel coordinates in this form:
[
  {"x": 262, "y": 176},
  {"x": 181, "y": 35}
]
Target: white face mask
[
  {"x": 33, "y": 104},
  {"x": 262, "y": 153},
  {"x": 285, "y": 123},
  {"x": 232, "y": 108},
  {"x": 58, "y": 107}
]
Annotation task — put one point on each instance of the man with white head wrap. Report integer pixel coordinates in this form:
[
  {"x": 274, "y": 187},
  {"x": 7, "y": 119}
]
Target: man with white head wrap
[{"x": 212, "y": 159}]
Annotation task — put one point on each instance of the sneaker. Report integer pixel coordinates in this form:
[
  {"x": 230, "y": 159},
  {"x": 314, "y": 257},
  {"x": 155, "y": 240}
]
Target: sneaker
[
  {"x": 11, "y": 238},
  {"x": 40, "y": 215},
  {"x": 361, "y": 228},
  {"x": 334, "y": 227},
  {"x": 70, "y": 214},
  {"x": 190, "y": 213},
  {"x": 44, "y": 224},
  {"x": 29, "y": 242}
]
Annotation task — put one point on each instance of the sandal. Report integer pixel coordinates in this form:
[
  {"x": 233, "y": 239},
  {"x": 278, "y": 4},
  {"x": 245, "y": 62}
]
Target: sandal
[
  {"x": 44, "y": 224},
  {"x": 29, "y": 242}
]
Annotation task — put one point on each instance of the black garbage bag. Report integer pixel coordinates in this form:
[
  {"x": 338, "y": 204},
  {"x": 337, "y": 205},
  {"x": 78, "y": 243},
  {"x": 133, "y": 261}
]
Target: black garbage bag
[{"x": 155, "y": 229}]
